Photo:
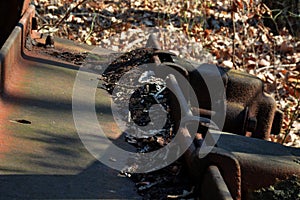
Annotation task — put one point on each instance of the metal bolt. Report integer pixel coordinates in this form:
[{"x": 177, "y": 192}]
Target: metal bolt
[{"x": 49, "y": 41}]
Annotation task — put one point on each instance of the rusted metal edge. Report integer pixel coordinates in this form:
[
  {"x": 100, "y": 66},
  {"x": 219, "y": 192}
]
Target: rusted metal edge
[
  {"x": 12, "y": 49},
  {"x": 198, "y": 166},
  {"x": 228, "y": 165},
  {"x": 26, "y": 5},
  {"x": 214, "y": 186}
]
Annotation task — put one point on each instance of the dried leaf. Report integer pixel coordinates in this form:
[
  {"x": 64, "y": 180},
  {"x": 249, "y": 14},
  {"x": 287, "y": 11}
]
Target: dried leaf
[
  {"x": 227, "y": 63},
  {"x": 286, "y": 47},
  {"x": 264, "y": 63}
]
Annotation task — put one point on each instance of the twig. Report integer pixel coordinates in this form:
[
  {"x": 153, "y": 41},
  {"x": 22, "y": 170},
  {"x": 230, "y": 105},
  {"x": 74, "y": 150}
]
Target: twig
[
  {"x": 294, "y": 15},
  {"x": 233, "y": 38},
  {"x": 92, "y": 28},
  {"x": 290, "y": 25},
  {"x": 40, "y": 17},
  {"x": 44, "y": 25},
  {"x": 275, "y": 66},
  {"x": 69, "y": 12},
  {"x": 95, "y": 14}
]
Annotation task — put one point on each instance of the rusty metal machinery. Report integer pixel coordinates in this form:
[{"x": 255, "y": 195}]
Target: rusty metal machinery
[
  {"x": 235, "y": 164},
  {"x": 249, "y": 110},
  {"x": 231, "y": 168}
]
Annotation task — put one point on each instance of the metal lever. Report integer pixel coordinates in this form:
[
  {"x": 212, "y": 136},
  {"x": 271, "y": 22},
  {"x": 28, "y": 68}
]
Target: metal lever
[{"x": 188, "y": 115}]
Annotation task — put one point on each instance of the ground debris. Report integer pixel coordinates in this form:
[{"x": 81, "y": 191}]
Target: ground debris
[
  {"x": 148, "y": 95},
  {"x": 282, "y": 190},
  {"x": 169, "y": 182}
]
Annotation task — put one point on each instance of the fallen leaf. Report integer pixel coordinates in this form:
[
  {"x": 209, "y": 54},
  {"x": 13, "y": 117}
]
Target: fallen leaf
[
  {"x": 264, "y": 63},
  {"x": 227, "y": 63},
  {"x": 286, "y": 47}
]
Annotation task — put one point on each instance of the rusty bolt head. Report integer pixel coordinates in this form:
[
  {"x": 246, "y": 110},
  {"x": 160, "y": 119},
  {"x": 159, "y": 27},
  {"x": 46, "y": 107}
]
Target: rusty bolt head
[{"x": 49, "y": 41}]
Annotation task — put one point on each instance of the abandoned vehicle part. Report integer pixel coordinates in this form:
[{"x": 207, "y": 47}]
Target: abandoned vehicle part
[
  {"x": 235, "y": 162},
  {"x": 249, "y": 110},
  {"x": 235, "y": 166},
  {"x": 246, "y": 164}
]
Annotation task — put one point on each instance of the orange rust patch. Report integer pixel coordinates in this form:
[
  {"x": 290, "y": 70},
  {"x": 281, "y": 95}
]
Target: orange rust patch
[{"x": 13, "y": 85}]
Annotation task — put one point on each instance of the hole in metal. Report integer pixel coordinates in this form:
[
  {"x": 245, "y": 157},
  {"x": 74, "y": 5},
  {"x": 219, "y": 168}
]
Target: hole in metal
[{"x": 21, "y": 121}]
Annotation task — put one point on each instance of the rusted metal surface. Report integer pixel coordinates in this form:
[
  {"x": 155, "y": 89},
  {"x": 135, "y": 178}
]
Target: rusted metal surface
[
  {"x": 198, "y": 167},
  {"x": 213, "y": 185},
  {"x": 40, "y": 139},
  {"x": 261, "y": 162},
  {"x": 10, "y": 53},
  {"x": 247, "y": 93},
  {"x": 248, "y": 109},
  {"x": 246, "y": 164},
  {"x": 41, "y": 154}
]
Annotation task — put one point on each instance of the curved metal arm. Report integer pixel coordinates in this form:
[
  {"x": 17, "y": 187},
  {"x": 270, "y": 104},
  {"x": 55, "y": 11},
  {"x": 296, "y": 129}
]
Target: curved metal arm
[{"x": 188, "y": 115}]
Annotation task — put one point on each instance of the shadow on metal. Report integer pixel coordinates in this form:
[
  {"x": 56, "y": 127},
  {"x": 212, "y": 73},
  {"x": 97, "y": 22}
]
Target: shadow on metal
[{"x": 89, "y": 184}]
